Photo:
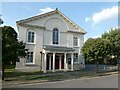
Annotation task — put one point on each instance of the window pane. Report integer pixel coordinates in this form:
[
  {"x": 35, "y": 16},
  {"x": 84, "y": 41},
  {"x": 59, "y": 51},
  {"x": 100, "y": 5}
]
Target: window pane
[
  {"x": 29, "y": 57},
  {"x": 55, "y": 36},
  {"x": 31, "y": 37},
  {"x": 75, "y": 41},
  {"x": 29, "y": 34},
  {"x": 32, "y": 33},
  {"x": 75, "y": 57}
]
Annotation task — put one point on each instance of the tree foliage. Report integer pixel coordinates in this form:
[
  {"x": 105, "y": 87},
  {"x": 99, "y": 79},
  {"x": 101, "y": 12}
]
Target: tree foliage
[
  {"x": 12, "y": 49},
  {"x": 107, "y": 47},
  {"x": 96, "y": 50},
  {"x": 114, "y": 37}
]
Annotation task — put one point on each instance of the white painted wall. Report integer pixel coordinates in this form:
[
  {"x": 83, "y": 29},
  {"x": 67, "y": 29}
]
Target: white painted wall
[
  {"x": 22, "y": 33},
  {"x": 52, "y": 23},
  {"x": 36, "y": 48},
  {"x": 56, "y": 21}
]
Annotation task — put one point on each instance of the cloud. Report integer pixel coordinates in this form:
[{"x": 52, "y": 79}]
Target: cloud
[
  {"x": 45, "y": 10},
  {"x": 104, "y": 14},
  {"x": 87, "y": 19}
]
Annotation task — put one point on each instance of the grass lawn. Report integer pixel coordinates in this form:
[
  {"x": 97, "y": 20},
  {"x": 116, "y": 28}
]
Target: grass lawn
[
  {"x": 11, "y": 75},
  {"x": 10, "y": 72}
]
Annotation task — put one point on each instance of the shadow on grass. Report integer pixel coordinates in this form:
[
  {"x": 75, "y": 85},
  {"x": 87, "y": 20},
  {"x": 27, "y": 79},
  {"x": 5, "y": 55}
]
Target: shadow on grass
[{"x": 18, "y": 74}]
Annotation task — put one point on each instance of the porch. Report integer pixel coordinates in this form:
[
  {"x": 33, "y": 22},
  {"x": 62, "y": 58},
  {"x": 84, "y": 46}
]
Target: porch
[{"x": 56, "y": 59}]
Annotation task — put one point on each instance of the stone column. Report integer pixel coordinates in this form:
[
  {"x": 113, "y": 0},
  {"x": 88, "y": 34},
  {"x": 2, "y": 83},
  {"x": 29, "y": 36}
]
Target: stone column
[
  {"x": 65, "y": 68},
  {"x": 53, "y": 62},
  {"x": 60, "y": 62},
  {"x": 42, "y": 61},
  {"x": 72, "y": 61},
  {"x": 49, "y": 62},
  {"x": 45, "y": 62}
]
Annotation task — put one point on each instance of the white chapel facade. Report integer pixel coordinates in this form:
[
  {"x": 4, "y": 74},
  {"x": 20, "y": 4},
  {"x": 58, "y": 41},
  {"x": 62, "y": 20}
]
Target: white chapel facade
[{"x": 53, "y": 41}]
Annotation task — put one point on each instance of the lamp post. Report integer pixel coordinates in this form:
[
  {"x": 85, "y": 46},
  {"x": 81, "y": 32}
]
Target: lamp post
[{"x": 1, "y": 22}]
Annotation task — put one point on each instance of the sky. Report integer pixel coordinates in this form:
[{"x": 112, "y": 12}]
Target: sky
[{"x": 94, "y": 17}]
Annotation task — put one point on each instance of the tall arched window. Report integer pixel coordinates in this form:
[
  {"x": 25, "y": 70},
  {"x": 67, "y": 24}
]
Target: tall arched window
[{"x": 55, "y": 36}]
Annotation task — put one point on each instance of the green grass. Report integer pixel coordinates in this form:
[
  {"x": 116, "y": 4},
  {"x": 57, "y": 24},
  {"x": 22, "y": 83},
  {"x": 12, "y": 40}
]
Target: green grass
[
  {"x": 34, "y": 77},
  {"x": 9, "y": 68},
  {"x": 57, "y": 77},
  {"x": 18, "y": 74},
  {"x": 10, "y": 72},
  {"x": 84, "y": 73},
  {"x": 11, "y": 75},
  {"x": 49, "y": 78}
]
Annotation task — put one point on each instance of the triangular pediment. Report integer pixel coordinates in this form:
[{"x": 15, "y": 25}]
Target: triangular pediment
[{"x": 31, "y": 19}]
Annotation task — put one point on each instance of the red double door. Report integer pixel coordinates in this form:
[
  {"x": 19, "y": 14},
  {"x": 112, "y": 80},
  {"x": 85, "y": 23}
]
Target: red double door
[{"x": 56, "y": 62}]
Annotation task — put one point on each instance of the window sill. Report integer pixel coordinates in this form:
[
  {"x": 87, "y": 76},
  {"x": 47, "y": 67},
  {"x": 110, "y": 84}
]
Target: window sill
[
  {"x": 55, "y": 44},
  {"x": 29, "y": 64},
  {"x": 76, "y": 46},
  {"x": 31, "y": 43}
]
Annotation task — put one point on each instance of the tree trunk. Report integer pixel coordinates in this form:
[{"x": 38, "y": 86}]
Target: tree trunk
[
  {"x": 3, "y": 72},
  {"x": 97, "y": 66}
]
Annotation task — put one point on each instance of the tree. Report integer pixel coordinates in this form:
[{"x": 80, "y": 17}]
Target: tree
[
  {"x": 1, "y": 21},
  {"x": 12, "y": 49},
  {"x": 96, "y": 50},
  {"x": 114, "y": 38}
]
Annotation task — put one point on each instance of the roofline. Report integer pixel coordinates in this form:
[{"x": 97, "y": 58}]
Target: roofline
[
  {"x": 36, "y": 16},
  {"x": 47, "y": 14},
  {"x": 77, "y": 32},
  {"x": 28, "y": 25},
  {"x": 78, "y": 27}
]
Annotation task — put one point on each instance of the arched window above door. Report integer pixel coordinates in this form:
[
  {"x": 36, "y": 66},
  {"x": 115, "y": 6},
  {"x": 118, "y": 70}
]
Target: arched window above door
[{"x": 55, "y": 36}]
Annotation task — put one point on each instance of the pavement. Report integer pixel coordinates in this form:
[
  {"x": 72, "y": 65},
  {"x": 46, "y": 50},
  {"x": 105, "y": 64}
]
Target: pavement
[{"x": 13, "y": 83}]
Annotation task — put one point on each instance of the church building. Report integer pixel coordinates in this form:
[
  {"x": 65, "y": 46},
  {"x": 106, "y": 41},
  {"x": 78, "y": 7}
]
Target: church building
[{"x": 53, "y": 41}]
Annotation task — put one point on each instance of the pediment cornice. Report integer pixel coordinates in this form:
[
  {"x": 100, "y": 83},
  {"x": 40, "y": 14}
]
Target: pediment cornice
[{"x": 48, "y": 14}]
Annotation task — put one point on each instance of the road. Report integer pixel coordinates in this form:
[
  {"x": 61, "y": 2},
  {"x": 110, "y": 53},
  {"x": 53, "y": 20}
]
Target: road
[{"x": 95, "y": 82}]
